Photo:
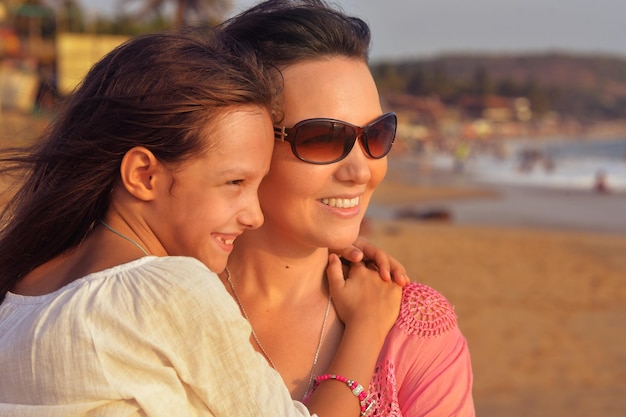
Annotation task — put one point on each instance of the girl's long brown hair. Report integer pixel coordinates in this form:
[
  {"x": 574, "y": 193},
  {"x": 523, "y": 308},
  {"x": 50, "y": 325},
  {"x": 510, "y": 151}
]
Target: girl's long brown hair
[{"x": 159, "y": 91}]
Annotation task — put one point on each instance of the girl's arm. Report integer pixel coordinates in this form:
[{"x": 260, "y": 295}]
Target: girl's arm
[
  {"x": 198, "y": 327},
  {"x": 368, "y": 306}
]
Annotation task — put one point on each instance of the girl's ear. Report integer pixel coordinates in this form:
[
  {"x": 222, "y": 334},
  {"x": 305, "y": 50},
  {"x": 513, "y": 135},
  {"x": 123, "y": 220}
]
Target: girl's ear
[{"x": 138, "y": 171}]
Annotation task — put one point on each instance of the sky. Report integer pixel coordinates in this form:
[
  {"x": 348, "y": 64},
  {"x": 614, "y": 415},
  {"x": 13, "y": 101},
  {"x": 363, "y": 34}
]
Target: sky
[{"x": 405, "y": 29}]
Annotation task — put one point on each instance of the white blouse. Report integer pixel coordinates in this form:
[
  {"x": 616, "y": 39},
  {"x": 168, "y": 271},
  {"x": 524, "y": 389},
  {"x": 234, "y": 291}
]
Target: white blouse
[{"x": 153, "y": 337}]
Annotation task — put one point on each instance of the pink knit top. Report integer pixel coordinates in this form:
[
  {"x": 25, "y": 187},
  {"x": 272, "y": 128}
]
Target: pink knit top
[{"x": 424, "y": 368}]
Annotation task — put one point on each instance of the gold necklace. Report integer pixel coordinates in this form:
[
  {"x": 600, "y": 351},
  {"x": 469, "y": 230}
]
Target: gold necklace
[{"x": 258, "y": 342}]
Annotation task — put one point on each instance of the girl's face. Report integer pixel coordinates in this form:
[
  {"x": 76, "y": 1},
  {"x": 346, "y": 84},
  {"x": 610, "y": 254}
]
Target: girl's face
[
  {"x": 213, "y": 198},
  {"x": 323, "y": 205}
]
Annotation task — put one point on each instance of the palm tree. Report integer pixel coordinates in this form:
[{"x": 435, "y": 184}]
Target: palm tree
[{"x": 186, "y": 11}]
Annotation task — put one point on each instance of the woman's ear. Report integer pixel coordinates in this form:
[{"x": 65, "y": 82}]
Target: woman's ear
[{"x": 138, "y": 172}]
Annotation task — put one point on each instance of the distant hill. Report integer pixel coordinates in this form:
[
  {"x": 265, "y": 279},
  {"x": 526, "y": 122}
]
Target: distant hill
[{"x": 587, "y": 87}]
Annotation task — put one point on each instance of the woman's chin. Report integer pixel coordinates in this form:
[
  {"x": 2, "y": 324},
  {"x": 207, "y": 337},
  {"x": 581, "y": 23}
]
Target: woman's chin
[{"x": 344, "y": 240}]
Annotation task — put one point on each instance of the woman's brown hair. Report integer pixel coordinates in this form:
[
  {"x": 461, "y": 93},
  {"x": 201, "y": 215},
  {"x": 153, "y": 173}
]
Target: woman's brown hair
[{"x": 285, "y": 32}]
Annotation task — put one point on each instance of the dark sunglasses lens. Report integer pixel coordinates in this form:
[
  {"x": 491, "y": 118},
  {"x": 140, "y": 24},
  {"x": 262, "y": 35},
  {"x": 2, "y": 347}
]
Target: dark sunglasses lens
[
  {"x": 380, "y": 136},
  {"x": 322, "y": 141}
]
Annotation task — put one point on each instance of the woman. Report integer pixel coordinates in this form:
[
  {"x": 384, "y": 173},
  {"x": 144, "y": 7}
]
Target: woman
[
  {"x": 139, "y": 188},
  {"x": 328, "y": 159}
]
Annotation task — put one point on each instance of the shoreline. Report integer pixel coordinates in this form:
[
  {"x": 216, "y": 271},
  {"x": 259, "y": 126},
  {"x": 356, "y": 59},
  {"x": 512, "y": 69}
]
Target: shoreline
[{"x": 414, "y": 190}]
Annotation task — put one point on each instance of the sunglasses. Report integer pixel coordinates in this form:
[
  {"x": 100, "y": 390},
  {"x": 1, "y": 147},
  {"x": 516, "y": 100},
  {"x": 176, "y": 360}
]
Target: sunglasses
[{"x": 326, "y": 141}]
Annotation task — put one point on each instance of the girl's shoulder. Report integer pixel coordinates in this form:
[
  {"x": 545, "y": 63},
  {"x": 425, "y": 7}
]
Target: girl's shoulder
[
  {"x": 162, "y": 280},
  {"x": 425, "y": 312},
  {"x": 148, "y": 269},
  {"x": 144, "y": 271}
]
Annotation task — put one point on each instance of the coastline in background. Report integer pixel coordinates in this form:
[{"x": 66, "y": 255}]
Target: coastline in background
[{"x": 564, "y": 184}]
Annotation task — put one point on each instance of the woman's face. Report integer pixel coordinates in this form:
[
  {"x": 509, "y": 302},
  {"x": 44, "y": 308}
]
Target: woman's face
[
  {"x": 323, "y": 205},
  {"x": 214, "y": 198}
]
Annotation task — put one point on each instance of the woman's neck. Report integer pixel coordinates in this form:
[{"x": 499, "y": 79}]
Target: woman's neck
[
  {"x": 275, "y": 272},
  {"x": 283, "y": 290}
]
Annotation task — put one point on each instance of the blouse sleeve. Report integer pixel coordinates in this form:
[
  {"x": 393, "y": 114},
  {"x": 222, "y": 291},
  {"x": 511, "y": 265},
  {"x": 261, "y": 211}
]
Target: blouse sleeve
[
  {"x": 431, "y": 357},
  {"x": 189, "y": 348},
  {"x": 443, "y": 388}
]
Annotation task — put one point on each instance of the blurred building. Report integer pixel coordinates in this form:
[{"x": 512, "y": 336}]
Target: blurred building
[{"x": 77, "y": 52}]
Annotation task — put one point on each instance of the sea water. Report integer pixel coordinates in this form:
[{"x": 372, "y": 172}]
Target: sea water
[
  {"x": 557, "y": 164},
  {"x": 536, "y": 183}
]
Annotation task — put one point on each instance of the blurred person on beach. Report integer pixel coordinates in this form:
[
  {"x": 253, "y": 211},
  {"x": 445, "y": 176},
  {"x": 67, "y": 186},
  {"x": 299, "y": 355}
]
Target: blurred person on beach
[
  {"x": 329, "y": 157},
  {"x": 461, "y": 154},
  {"x": 600, "y": 183},
  {"x": 109, "y": 305}
]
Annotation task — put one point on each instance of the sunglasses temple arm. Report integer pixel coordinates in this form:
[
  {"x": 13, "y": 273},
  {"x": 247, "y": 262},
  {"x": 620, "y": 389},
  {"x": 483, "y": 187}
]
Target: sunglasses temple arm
[{"x": 279, "y": 133}]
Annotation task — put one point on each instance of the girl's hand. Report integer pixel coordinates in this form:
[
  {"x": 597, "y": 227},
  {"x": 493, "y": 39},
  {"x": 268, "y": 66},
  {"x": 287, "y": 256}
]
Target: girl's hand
[
  {"x": 388, "y": 267},
  {"x": 363, "y": 299}
]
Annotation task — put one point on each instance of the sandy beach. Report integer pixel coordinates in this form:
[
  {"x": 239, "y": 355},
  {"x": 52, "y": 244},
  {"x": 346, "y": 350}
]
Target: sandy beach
[{"x": 543, "y": 307}]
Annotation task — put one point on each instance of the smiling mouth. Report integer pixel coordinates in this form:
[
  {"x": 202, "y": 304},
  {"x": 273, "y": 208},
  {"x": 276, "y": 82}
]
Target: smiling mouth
[
  {"x": 226, "y": 241},
  {"x": 341, "y": 202}
]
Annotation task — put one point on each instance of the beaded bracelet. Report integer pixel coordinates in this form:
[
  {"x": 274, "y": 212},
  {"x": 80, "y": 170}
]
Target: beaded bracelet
[{"x": 366, "y": 401}]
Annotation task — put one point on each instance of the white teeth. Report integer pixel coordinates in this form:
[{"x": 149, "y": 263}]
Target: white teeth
[
  {"x": 226, "y": 241},
  {"x": 341, "y": 202}
]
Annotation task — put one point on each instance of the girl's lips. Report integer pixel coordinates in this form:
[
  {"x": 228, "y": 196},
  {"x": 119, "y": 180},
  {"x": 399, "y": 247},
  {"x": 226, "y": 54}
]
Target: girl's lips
[{"x": 225, "y": 241}]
